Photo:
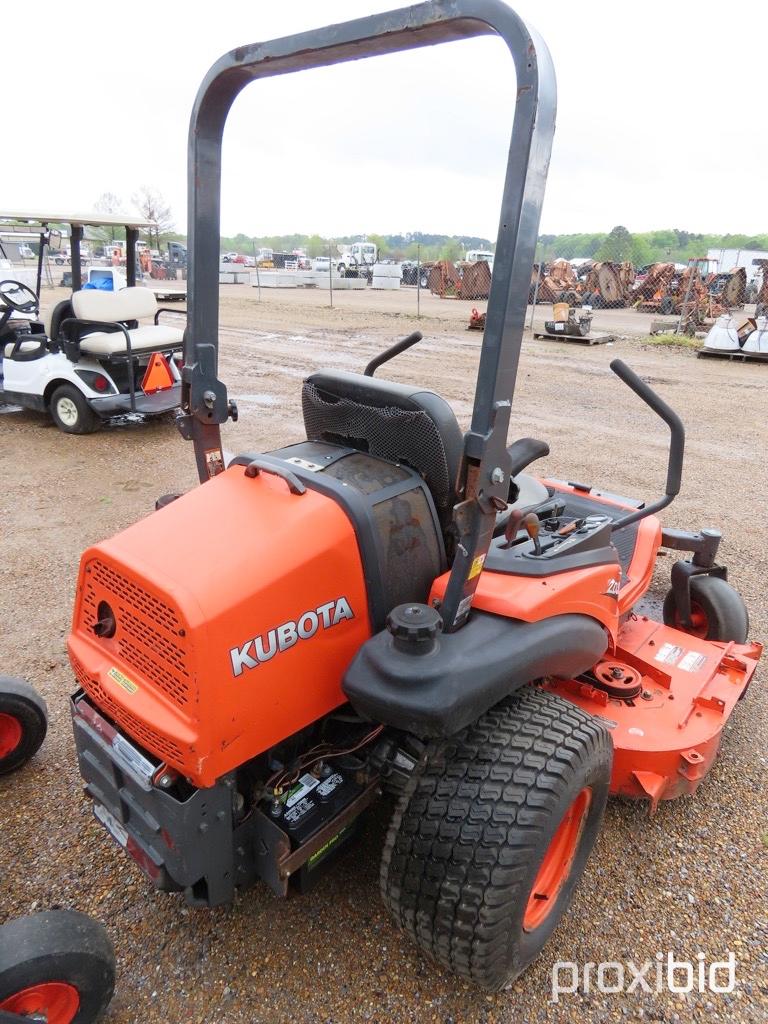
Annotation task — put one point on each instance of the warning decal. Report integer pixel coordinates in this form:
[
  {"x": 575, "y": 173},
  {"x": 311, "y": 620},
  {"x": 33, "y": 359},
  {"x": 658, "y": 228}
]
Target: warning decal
[
  {"x": 692, "y": 662},
  {"x": 669, "y": 654}
]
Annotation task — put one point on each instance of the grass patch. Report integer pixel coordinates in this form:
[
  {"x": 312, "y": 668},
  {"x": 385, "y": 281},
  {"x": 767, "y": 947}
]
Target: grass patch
[{"x": 672, "y": 340}]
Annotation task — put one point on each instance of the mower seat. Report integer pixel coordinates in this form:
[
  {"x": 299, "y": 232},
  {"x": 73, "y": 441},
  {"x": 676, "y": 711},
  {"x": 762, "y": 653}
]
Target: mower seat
[
  {"x": 126, "y": 307},
  {"x": 398, "y": 422}
]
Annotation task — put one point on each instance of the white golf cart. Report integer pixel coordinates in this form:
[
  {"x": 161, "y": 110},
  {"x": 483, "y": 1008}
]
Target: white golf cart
[{"x": 91, "y": 359}]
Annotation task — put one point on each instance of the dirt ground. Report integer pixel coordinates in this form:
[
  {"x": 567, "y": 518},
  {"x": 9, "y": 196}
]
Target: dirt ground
[{"x": 692, "y": 879}]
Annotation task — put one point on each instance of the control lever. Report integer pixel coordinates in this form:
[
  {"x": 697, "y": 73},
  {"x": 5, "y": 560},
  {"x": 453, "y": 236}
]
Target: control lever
[
  {"x": 532, "y": 524},
  {"x": 517, "y": 521}
]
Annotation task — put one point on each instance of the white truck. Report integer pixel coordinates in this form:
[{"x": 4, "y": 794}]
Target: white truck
[
  {"x": 478, "y": 256},
  {"x": 357, "y": 258}
]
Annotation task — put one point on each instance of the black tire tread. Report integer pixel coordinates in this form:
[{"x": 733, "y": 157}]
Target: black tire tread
[
  {"x": 23, "y": 702},
  {"x": 59, "y": 945},
  {"x": 726, "y": 612},
  {"x": 471, "y": 818},
  {"x": 88, "y": 421}
]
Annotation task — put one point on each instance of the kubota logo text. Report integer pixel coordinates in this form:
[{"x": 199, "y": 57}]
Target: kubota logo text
[{"x": 264, "y": 647}]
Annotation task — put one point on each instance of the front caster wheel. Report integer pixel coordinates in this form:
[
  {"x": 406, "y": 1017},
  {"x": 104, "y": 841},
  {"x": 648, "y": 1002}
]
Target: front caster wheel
[
  {"x": 493, "y": 832},
  {"x": 717, "y": 611},
  {"x": 58, "y": 966},
  {"x": 23, "y": 723}
]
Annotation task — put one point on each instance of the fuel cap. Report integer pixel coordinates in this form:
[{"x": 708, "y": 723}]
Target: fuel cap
[{"x": 414, "y": 627}]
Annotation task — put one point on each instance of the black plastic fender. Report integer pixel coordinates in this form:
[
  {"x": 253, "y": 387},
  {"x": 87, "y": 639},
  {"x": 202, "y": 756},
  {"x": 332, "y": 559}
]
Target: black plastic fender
[{"x": 466, "y": 672}]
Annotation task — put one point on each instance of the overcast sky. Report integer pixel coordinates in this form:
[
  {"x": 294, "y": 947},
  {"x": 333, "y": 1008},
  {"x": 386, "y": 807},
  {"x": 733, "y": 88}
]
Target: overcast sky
[{"x": 661, "y": 118}]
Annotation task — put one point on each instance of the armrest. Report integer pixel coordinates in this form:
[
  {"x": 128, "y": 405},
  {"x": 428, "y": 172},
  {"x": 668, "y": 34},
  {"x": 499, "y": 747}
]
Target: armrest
[
  {"x": 525, "y": 451},
  {"x": 169, "y": 309},
  {"x": 111, "y": 327}
]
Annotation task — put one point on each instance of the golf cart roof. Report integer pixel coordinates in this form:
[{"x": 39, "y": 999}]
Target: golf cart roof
[{"x": 94, "y": 220}]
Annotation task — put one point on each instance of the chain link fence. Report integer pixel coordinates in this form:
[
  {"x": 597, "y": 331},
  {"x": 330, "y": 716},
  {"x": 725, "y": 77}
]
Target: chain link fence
[{"x": 677, "y": 293}]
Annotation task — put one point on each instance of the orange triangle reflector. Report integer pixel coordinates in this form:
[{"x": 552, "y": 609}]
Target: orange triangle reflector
[{"x": 158, "y": 376}]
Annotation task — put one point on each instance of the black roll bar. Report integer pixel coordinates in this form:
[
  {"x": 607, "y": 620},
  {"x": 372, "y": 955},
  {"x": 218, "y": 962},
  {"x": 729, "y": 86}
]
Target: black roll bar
[{"x": 484, "y": 480}]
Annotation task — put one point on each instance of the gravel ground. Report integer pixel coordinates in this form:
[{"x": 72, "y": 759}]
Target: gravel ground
[{"x": 692, "y": 879}]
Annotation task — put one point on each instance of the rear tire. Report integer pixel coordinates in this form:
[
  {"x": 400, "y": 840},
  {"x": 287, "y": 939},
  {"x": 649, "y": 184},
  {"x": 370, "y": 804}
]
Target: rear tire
[
  {"x": 23, "y": 723},
  {"x": 509, "y": 807},
  {"x": 70, "y": 411},
  {"x": 717, "y": 611},
  {"x": 60, "y": 964}
]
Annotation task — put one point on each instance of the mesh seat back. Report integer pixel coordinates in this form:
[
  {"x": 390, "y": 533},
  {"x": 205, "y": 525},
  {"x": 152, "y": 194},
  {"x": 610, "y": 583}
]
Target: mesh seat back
[{"x": 392, "y": 421}]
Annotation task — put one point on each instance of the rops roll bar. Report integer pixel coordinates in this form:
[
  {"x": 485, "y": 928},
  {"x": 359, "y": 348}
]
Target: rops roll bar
[{"x": 483, "y": 483}]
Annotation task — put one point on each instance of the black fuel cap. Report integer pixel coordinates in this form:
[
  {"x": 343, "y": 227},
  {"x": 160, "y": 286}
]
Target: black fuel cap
[{"x": 414, "y": 627}]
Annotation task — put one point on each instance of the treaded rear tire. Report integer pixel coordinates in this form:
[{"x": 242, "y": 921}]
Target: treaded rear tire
[
  {"x": 472, "y": 828},
  {"x": 86, "y": 421}
]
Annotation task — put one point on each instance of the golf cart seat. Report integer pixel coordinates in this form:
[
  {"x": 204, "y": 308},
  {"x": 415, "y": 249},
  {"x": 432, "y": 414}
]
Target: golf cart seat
[{"x": 93, "y": 309}]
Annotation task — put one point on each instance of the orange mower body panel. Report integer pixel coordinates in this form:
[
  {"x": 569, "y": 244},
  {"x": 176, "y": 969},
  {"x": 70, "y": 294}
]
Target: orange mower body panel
[{"x": 222, "y": 649}]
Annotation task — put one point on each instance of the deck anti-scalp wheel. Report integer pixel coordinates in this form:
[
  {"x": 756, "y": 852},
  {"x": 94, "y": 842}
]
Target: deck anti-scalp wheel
[
  {"x": 58, "y": 966},
  {"x": 717, "y": 611},
  {"x": 493, "y": 832},
  {"x": 23, "y": 723}
]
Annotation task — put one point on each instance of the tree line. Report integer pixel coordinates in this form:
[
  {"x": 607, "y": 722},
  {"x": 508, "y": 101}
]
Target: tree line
[{"x": 619, "y": 244}]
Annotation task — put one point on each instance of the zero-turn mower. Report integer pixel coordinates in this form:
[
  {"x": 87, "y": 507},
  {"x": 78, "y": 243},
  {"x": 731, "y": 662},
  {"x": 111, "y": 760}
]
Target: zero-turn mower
[{"x": 391, "y": 606}]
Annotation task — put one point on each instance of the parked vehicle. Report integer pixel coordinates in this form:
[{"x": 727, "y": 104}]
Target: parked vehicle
[
  {"x": 390, "y": 605},
  {"x": 90, "y": 360}
]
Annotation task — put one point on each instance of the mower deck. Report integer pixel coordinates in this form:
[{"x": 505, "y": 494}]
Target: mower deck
[{"x": 667, "y": 734}]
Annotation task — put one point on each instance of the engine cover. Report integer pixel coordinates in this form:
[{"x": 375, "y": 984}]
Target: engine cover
[{"x": 222, "y": 623}]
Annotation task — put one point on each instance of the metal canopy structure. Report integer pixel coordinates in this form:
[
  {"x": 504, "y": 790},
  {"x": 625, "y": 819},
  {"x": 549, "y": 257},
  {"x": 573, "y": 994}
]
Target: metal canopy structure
[
  {"x": 22, "y": 221},
  {"x": 483, "y": 483},
  {"x": 85, "y": 220}
]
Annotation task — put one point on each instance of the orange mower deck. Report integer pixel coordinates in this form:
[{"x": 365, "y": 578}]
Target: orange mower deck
[{"x": 666, "y": 738}]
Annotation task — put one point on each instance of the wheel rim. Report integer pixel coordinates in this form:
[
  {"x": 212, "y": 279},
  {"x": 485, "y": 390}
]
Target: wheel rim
[
  {"x": 57, "y": 1000},
  {"x": 699, "y": 622},
  {"x": 557, "y": 862},
  {"x": 10, "y": 734},
  {"x": 67, "y": 411}
]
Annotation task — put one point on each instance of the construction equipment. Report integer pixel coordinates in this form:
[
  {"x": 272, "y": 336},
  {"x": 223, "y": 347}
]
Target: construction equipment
[
  {"x": 467, "y": 280},
  {"x": 391, "y": 606},
  {"x": 558, "y": 283},
  {"x": 761, "y": 306},
  {"x": 608, "y": 285}
]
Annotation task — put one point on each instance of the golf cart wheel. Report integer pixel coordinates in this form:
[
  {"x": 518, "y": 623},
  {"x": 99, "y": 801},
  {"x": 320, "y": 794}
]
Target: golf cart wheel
[
  {"x": 58, "y": 966},
  {"x": 717, "y": 611},
  {"x": 23, "y": 723},
  {"x": 71, "y": 412},
  {"x": 493, "y": 832},
  {"x": 424, "y": 281}
]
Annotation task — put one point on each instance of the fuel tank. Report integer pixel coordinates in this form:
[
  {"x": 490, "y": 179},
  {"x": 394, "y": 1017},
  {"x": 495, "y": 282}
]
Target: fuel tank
[{"x": 222, "y": 623}]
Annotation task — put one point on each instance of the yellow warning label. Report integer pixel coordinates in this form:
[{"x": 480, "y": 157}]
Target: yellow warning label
[
  {"x": 477, "y": 567},
  {"x": 122, "y": 680}
]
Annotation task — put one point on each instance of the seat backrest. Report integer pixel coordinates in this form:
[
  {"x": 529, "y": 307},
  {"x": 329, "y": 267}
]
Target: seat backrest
[
  {"x": 114, "y": 307},
  {"x": 53, "y": 318},
  {"x": 398, "y": 422}
]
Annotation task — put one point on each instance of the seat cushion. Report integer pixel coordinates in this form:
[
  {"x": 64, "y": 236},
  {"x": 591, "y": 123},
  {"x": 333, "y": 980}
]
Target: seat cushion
[
  {"x": 399, "y": 422},
  {"x": 143, "y": 339},
  {"x": 113, "y": 307}
]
